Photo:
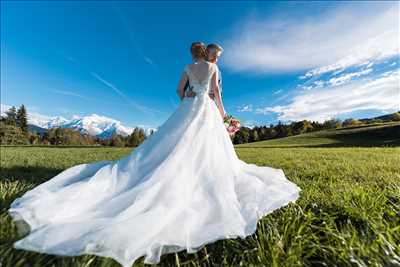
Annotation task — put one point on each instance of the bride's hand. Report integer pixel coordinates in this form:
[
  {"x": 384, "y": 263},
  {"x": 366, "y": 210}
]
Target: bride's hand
[{"x": 191, "y": 93}]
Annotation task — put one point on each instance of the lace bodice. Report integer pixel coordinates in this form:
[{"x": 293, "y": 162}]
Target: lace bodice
[{"x": 200, "y": 79}]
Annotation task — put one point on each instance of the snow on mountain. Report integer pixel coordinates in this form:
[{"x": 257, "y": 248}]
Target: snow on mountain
[
  {"x": 94, "y": 124},
  {"x": 45, "y": 121},
  {"x": 3, "y": 109}
]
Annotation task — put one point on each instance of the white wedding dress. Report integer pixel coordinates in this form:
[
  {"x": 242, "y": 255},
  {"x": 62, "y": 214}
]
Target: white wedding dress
[{"x": 182, "y": 188}]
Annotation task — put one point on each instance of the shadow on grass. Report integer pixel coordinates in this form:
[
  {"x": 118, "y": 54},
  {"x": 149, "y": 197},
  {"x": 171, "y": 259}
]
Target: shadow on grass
[
  {"x": 15, "y": 181},
  {"x": 31, "y": 173}
]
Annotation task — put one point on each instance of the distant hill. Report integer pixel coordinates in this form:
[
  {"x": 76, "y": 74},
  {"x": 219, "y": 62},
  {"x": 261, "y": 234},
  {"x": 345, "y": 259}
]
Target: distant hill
[
  {"x": 34, "y": 128},
  {"x": 381, "y": 134},
  {"x": 387, "y": 117}
]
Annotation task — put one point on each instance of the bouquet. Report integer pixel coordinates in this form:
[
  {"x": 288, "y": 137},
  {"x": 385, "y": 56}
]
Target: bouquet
[{"x": 232, "y": 125}]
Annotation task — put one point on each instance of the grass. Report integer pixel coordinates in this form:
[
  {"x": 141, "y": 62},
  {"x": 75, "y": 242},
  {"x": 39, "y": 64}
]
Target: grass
[{"x": 348, "y": 213}]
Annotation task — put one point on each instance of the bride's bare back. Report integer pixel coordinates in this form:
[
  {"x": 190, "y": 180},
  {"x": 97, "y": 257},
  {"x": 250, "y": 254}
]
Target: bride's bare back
[
  {"x": 200, "y": 71},
  {"x": 203, "y": 76}
]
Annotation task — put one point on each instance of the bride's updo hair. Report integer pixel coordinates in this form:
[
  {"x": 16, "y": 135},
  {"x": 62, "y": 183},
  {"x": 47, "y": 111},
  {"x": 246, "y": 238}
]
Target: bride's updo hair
[{"x": 198, "y": 50}]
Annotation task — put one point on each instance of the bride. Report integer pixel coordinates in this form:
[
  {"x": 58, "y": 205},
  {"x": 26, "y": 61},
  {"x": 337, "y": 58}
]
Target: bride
[{"x": 182, "y": 188}]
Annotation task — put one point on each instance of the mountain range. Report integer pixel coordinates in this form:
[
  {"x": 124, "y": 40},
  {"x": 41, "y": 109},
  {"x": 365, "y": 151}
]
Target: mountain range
[{"x": 94, "y": 125}]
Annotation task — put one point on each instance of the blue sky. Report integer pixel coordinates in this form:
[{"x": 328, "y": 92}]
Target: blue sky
[{"x": 282, "y": 60}]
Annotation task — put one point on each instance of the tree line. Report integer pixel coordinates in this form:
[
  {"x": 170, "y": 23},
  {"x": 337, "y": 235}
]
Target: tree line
[
  {"x": 260, "y": 133},
  {"x": 14, "y": 130}
]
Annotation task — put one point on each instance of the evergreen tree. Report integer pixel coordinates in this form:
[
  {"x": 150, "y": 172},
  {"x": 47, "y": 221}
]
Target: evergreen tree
[
  {"x": 22, "y": 119},
  {"x": 280, "y": 129},
  {"x": 262, "y": 132},
  {"x": 11, "y": 116}
]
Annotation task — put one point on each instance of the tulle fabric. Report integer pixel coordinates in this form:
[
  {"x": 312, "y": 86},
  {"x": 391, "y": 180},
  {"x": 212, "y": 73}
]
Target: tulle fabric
[{"x": 182, "y": 188}]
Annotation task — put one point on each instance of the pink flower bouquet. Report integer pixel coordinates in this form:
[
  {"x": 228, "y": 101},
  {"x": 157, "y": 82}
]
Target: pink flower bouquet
[{"x": 232, "y": 125}]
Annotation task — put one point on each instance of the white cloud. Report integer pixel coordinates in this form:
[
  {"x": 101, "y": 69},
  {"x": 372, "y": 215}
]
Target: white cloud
[
  {"x": 382, "y": 93},
  {"x": 250, "y": 124},
  {"x": 331, "y": 41},
  {"x": 312, "y": 85},
  {"x": 347, "y": 77},
  {"x": 266, "y": 110},
  {"x": 307, "y": 88},
  {"x": 277, "y": 92},
  {"x": 245, "y": 108}
]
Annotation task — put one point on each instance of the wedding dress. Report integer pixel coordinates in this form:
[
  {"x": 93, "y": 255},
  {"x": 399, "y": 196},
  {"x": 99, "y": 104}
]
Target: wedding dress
[{"x": 182, "y": 188}]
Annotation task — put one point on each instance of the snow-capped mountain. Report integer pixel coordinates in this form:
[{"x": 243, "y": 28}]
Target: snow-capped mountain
[
  {"x": 94, "y": 124},
  {"x": 46, "y": 122}
]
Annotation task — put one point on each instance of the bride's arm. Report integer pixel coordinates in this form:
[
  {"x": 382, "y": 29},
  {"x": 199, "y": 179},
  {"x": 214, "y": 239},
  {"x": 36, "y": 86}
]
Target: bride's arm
[
  {"x": 181, "y": 85},
  {"x": 217, "y": 93}
]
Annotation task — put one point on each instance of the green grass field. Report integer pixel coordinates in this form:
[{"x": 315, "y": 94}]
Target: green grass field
[{"x": 348, "y": 213}]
